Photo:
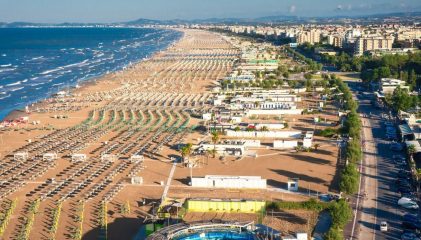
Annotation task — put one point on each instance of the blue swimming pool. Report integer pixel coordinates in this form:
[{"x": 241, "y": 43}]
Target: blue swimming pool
[{"x": 216, "y": 235}]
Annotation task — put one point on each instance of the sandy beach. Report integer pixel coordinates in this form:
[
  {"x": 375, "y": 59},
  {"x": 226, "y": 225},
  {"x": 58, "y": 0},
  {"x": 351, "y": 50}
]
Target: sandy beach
[
  {"x": 136, "y": 111},
  {"x": 81, "y": 156}
]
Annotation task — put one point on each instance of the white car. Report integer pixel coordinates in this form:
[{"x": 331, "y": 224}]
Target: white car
[
  {"x": 407, "y": 203},
  {"x": 383, "y": 226}
]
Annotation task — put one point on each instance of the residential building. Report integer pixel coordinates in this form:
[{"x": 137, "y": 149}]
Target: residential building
[{"x": 364, "y": 44}]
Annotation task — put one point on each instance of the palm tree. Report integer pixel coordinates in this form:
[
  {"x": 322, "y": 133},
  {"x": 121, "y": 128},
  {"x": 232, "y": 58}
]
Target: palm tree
[
  {"x": 264, "y": 129},
  {"x": 186, "y": 151},
  {"x": 215, "y": 139},
  {"x": 316, "y": 146}
]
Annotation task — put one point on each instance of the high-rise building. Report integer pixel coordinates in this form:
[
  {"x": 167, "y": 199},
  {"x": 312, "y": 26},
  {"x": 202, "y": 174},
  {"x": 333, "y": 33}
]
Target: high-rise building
[
  {"x": 335, "y": 40},
  {"x": 363, "y": 44},
  {"x": 312, "y": 36}
]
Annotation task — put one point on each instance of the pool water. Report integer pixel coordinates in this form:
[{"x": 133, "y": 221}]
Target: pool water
[{"x": 216, "y": 235}]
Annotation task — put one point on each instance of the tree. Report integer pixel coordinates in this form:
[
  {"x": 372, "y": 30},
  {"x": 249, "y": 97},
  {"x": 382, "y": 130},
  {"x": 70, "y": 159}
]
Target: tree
[
  {"x": 349, "y": 179},
  {"x": 215, "y": 140},
  {"x": 401, "y": 100},
  {"x": 186, "y": 150},
  {"x": 309, "y": 84},
  {"x": 353, "y": 151},
  {"x": 341, "y": 213},
  {"x": 308, "y": 76},
  {"x": 285, "y": 75},
  {"x": 316, "y": 146},
  {"x": 333, "y": 234},
  {"x": 412, "y": 79}
]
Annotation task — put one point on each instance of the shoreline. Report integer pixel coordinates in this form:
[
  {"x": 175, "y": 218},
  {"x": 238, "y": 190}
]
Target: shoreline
[{"x": 16, "y": 113}]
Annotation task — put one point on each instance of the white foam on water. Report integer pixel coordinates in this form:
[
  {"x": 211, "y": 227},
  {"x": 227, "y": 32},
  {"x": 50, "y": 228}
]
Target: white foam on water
[
  {"x": 16, "y": 89},
  {"x": 14, "y": 84},
  {"x": 1, "y": 98},
  {"x": 7, "y": 70},
  {"x": 35, "y": 58}
]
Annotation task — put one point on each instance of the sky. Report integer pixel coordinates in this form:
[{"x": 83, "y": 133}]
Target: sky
[{"x": 107, "y": 11}]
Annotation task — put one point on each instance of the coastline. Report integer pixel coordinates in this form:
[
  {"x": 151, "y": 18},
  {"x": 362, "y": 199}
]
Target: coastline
[
  {"x": 139, "y": 111},
  {"x": 91, "y": 81}
]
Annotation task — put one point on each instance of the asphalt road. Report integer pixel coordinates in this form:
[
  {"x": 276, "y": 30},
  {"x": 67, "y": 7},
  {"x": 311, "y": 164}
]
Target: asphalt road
[{"x": 378, "y": 198}]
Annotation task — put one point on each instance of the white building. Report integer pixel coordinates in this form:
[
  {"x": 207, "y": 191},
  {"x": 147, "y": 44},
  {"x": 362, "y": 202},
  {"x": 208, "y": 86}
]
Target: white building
[
  {"x": 388, "y": 85},
  {"x": 234, "y": 182},
  {"x": 234, "y": 147}
]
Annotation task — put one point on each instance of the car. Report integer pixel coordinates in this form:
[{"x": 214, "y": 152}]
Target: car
[
  {"x": 397, "y": 157},
  {"x": 411, "y": 217},
  {"x": 410, "y": 205},
  {"x": 383, "y": 226},
  {"x": 409, "y": 236},
  {"x": 387, "y": 123},
  {"x": 403, "y": 174},
  {"x": 407, "y": 203},
  {"x": 404, "y": 189},
  {"x": 411, "y": 225},
  {"x": 410, "y": 195},
  {"x": 404, "y": 183},
  {"x": 403, "y": 180},
  {"x": 396, "y": 147}
]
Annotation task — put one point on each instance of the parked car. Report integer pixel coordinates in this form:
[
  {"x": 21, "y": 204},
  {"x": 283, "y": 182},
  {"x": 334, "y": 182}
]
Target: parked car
[
  {"x": 387, "y": 123},
  {"x": 398, "y": 157},
  {"x": 409, "y": 236},
  {"x": 404, "y": 190},
  {"x": 407, "y": 203},
  {"x": 410, "y": 195},
  {"x": 396, "y": 146},
  {"x": 412, "y": 225},
  {"x": 383, "y": 226},
  {"x": 411, "y": 217}
]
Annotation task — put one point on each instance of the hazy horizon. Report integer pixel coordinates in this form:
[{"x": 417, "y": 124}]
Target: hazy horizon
[{"x": 49, "y": 11}]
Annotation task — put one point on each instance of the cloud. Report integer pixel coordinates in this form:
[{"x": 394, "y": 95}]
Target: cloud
[
  {"x": 292, "y": 8},
  {"x": 341, "y": 7}
]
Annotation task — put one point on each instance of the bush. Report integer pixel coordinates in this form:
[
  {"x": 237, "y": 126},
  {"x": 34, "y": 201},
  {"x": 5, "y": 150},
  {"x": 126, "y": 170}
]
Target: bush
[
  {"x": 349, "y": 179},
  {"x": 341, "y": 213},
  {"x": 353, "y": 151},
  {"x": 311, "y": 204},
  {"x": 333, "y": 234},
  {"x": 327, "y": 132}
]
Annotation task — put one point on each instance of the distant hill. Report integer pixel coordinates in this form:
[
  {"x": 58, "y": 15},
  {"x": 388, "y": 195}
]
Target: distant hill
[{"x": 279, "y": 19}]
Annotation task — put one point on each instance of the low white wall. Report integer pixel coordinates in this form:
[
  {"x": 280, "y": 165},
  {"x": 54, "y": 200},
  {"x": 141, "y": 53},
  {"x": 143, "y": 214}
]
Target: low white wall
[
  {"x": 285, "y": 144},
  {"x": 252, "y": 112},
  {"x": 270, "y": 126},
  {"x": 229, "y": 182},
  {"x": 252, "y": 143},
  {"x": 263, "y": 134}
]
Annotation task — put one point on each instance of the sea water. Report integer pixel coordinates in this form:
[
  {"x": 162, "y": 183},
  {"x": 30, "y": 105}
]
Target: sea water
[{"x": 37, "y": 62}]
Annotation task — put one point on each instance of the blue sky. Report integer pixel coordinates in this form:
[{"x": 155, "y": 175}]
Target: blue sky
[{"x": 56, "y": 11}]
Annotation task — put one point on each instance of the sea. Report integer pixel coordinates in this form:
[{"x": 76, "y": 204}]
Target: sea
[{"x": 38, "y": 62}]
